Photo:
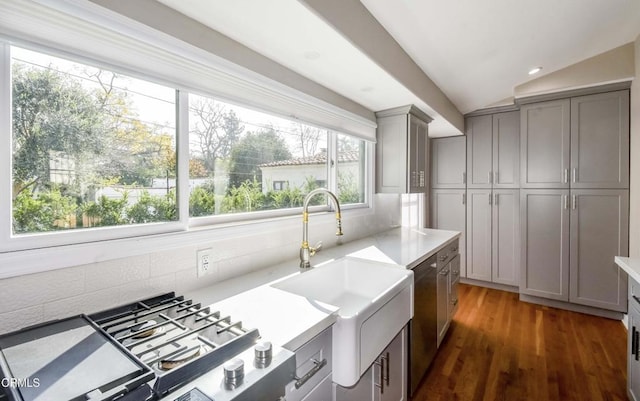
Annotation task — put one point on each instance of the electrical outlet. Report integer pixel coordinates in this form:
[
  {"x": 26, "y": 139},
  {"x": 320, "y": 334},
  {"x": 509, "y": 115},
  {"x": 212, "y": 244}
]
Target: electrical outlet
[{"x": 203, "y": 257}]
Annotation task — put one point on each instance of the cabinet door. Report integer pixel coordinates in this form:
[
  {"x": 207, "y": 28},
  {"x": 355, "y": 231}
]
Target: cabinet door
[
  {"x": 544, "y": 144},
  {"x": 544, "y": 251},
  {"x": 449, "y": 162},
  {"x": 506, "y": 150},
  {"x": 633, "y": 354},
  {"x": 442, "y": 292},
  {"x": 392, "y": 370},
  {"x": 448, "y": 212},
  {"x": 600, "y": 140},
  {"x": 505, "y": 229},
  {"x": 391, "y": 155},
  {"x": 418, "y": 155},
  {"x": 453, "y": 286},
  {"x": 479, "y": 207},
  {"x": 479, "y": 165},
  {"x": 599, "y": 232}
]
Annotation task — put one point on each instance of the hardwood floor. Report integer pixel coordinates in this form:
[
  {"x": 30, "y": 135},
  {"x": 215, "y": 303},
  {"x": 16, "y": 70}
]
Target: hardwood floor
[{"x": 499, "y": 348}]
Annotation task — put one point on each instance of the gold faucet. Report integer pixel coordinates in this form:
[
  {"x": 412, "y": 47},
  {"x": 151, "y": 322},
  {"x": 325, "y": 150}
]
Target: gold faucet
[{"x": 305, "y": 250}]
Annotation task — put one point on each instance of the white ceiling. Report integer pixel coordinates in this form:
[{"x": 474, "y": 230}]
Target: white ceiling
[{"x": 475, "y": 51}]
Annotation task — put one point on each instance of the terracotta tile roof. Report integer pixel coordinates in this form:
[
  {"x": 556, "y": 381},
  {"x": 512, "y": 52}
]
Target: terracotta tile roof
[{"x": 319, "y": 158}]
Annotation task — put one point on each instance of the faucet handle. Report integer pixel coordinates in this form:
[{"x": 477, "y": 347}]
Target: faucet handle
[{"x": 315, "y": 249}]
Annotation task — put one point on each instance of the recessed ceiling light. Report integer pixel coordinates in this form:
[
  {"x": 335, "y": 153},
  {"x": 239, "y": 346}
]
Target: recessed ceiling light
[{"x": 535, "y": 70}]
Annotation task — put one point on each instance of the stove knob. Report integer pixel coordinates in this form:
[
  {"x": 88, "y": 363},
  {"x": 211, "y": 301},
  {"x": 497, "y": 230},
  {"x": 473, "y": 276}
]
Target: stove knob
[
  {"x": 263, "y": 353},
  {"x": 233, "y": 372}
]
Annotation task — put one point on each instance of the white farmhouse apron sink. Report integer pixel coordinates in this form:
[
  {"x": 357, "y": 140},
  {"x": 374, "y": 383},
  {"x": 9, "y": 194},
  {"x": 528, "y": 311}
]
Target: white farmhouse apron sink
[{"x": 375, "y": 301}]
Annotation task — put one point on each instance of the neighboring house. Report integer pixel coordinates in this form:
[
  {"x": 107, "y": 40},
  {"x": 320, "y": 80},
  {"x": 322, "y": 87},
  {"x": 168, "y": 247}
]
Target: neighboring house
[{"x": 295, "y": 173}]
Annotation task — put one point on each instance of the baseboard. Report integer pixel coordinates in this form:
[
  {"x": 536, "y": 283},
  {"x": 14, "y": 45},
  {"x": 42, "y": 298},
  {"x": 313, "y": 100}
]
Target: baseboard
[
  {"x": 488, "y": 284},
  {"x": 572, "y": 307}
]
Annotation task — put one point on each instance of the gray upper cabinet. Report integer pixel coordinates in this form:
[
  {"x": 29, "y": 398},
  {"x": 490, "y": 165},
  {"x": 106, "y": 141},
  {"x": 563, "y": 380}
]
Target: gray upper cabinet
[
  {"x": 545, "y": 144},
  {"x": 493, "y": 151},
  {"x": 448, "y": 162},
  {"x": 544, "y": 263},
  {"x": 506, "y": 150},
  {"x": 599, "y": 232},
  {"x": 600, "y": 140},
  {"x": 402, "y": 151},
  {"x": 479, "y": 130}
]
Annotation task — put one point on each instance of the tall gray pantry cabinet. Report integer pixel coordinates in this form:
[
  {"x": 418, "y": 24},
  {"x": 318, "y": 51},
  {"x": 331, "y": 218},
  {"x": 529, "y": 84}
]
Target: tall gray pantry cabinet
[
  {"x": 575, "y": 199},
  {"x": 492, "y": 197}
]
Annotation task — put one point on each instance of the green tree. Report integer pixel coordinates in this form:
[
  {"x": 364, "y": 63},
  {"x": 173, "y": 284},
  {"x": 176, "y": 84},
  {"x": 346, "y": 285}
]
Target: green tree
[
  {"x": 51, "y": 112},
  {"x": 253, "y": 150},
  {"x": 215, "y": 128}
]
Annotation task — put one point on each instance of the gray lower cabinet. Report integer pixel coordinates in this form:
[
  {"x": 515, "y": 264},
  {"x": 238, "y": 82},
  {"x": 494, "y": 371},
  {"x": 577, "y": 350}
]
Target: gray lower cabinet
[
  {"x": 448, "y": 162},
  {"x": 599, "y": 231},
  {"x": 569, "y": 240},
  {"x": 544, "y": 252},
  {"x": 385, "y": 380},
  {"x": 633, "y": 342},
  {"x": 448, "y": 212},
  {"x": 493, "y": 224}
]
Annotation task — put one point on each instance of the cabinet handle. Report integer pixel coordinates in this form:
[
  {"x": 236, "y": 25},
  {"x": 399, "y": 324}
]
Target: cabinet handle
[
  {"x": 574, "y": 202},
  {"x": 444, "y": 273},
  {"x": 464, "y": 199},
  {"x": 574, "y": 173},
  {"x": 454, "y": 301},
  {"x": 300, "y": 381},
  {"x": 386, "y": 368},
  {"x": 489, "y": 179},
  {"x": 566, "y": 201},
  {"x": 636, "y": 298},
  {"x": 633, "y": 340},
  {"x": 464, "y": 177},
  {"x": 422, "y": 180},
  {"x": 565, "y": 178},
  {"x": 495, "y": 199},
  {"x": 636, "y": 340},
  {"x": 443, "y": 257},
  {"x": 495, "y": 177},
  {"x": 381, "y": 385},
  {"x": 489, "y": 198}
]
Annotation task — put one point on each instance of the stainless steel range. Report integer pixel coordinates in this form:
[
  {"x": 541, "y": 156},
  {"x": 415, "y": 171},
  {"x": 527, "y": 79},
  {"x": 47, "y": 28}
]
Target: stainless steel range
[{"x": 162, "y": 348}]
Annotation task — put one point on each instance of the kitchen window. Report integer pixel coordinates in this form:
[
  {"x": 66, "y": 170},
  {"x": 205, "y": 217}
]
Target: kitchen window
[{"x": 94, "y": 156}]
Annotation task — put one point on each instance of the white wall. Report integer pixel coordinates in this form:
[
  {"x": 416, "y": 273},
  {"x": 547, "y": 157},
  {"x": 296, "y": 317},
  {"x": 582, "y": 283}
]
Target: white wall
[
  {"x": 634, "y": 220},
  {"x": 34, "y": 298}
]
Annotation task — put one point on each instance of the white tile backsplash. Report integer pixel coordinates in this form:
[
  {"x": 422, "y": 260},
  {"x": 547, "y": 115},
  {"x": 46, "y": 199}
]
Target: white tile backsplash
[{"x": 34, "y": 298}]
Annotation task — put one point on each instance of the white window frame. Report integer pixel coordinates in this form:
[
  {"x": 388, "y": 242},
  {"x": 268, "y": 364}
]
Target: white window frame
[{"x": 24, "y": 253}]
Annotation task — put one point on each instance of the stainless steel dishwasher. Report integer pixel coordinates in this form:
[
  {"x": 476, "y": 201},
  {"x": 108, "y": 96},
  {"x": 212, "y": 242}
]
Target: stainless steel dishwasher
[{"x": 423, "y": 331}]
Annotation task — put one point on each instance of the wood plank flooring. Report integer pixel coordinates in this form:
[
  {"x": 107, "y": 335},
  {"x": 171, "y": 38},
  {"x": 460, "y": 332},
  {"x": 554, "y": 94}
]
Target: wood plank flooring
[{"x": 499, "y": 348}]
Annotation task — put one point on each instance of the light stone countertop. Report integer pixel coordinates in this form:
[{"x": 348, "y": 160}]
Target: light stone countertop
[
  {"x": 630, "y": 265},
  {"x": 290, "y": 320}
]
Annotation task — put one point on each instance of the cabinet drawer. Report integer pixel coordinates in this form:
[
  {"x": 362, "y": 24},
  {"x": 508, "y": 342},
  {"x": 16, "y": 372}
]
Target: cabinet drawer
[
  {"x": 446, "y": 254},
  {"x": 322, "y": 392},
  {"x": 317, "y": 349}
]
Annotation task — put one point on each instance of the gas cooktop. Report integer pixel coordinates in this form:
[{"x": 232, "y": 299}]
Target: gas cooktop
[{"x": 161, "y": 348}]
